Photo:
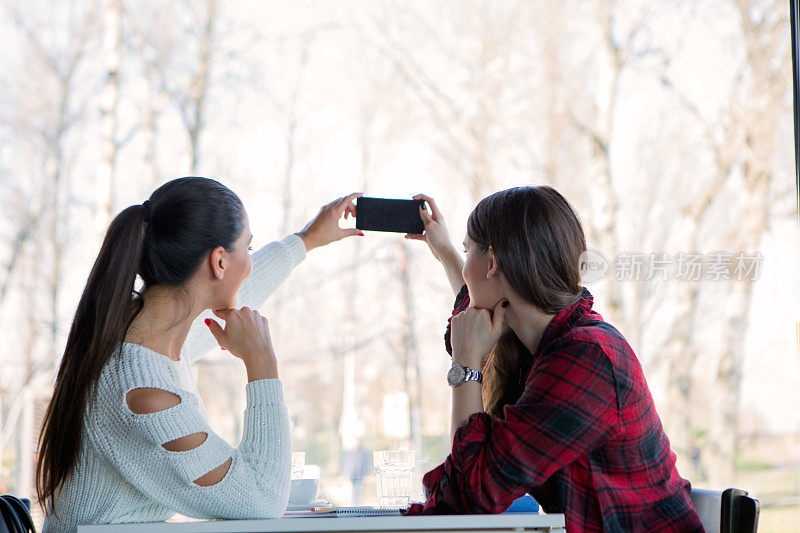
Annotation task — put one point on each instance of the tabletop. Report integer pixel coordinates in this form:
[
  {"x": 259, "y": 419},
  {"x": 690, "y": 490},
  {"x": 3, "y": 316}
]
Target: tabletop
[{"x": 552, "y": 523}]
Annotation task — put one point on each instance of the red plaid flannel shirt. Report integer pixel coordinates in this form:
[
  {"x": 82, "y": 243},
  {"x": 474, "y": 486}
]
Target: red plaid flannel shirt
[{"x": 584, "y": 439}]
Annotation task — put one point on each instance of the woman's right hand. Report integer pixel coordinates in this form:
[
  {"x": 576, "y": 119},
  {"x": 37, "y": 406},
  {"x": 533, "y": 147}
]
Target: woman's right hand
[
  {"x": 439, "y": 242},
  {"x": 435, "y": 231},
  {"x": 246, "y": 335}
]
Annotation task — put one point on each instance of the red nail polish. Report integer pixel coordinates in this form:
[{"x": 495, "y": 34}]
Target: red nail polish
[{"x": 207, "y": 321}]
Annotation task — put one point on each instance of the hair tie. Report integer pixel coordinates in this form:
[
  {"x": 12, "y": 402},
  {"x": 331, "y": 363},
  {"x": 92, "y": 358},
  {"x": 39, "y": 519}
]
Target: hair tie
[{"x": 148, "y": 216}]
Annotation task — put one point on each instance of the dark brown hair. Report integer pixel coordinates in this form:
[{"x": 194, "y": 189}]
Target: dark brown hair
[
  {"x": 537, "y": 240},
  {"x": 189, "y": 217}
]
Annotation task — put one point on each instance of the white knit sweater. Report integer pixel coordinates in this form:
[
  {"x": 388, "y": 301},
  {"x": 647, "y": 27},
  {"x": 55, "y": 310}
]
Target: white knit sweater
[{"x": 124, "y": 474}]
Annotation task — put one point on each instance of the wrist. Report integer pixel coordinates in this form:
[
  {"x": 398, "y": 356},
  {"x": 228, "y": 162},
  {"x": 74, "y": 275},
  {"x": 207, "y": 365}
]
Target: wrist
[
  {"x": 469, "y": 359},
  {"x": 307, "y": 240},
  {"x": 449, "y": 256},
  {"x": 264, "y": 367}
]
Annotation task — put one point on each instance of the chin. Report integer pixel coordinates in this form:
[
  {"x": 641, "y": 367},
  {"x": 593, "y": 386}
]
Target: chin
[
  {"x": 225, "y": 304},
  {"x": 482, "y": 303}
]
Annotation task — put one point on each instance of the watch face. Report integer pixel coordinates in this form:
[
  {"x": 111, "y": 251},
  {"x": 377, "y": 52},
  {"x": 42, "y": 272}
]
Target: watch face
[{"x": 456, "y": 375}]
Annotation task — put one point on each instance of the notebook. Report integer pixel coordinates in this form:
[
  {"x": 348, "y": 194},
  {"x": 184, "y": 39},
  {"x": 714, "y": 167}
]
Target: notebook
[{"x": 344, "y": 512}]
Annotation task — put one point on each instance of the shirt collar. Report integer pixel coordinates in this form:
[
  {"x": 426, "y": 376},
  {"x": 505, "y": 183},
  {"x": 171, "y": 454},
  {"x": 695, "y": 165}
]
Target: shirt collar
[{"x": 567, "y": 318}]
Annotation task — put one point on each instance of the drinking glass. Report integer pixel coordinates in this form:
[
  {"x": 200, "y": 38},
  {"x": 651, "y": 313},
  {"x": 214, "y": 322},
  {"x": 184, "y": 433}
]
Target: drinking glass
[
  {"x": 394, "y": 470},
  {"x": 298, "y": 464}
]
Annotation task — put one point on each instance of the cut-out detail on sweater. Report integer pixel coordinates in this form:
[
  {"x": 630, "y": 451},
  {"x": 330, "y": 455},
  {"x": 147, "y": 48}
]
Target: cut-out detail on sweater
[
  {"x": 184, "y": 444},
  {"x": 215, "y": 476},
  {"x": 145, "y": 400}
]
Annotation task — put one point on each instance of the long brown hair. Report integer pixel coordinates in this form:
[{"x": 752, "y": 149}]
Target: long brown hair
[
  {"x": 164, "y": 242},
  {"x": 537, "y": 240}
]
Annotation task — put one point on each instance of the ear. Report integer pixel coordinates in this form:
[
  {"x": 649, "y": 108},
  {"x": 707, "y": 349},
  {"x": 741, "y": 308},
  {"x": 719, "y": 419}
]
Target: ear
[
  {"x": 494, "y": 269},
  {"x": 218, "y": 262}
]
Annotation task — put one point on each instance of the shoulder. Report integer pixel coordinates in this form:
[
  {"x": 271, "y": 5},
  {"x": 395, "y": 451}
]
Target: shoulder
[
  {"x": 132, "y": 367},
  {"x": 598, "y": 339},
  {"x": 578, "y": 352},
  {"x": 600, "y": 333},
  {"x": 592, "y": 348}
]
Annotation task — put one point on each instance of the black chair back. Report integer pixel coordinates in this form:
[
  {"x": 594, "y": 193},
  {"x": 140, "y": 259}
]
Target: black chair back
[{"x": 15, "y": 515}]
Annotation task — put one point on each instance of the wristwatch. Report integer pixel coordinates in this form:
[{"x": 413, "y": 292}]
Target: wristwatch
[{"x": 458, "y": 374}]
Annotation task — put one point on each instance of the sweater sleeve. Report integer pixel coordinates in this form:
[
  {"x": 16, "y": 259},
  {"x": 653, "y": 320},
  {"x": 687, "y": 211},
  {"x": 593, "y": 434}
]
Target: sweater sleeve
[
  {"x": 257, "y": 483},
  {"x": 568, "y": 408},
  {"x": 272, "y": 264}
]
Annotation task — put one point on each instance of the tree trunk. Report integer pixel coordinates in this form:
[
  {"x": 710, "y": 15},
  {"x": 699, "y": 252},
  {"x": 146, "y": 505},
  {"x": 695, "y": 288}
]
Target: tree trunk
[
  {"x": 291, "y": 137},
  {"x": 199, "y": 89},
  {"x": 109, "y": 103},
  {"x": 412, "y": 374},
  {"x": 761, "y": 117}
]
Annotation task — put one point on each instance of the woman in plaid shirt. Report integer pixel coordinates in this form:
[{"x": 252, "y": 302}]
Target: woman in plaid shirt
[{"x": 562, "y": 410}]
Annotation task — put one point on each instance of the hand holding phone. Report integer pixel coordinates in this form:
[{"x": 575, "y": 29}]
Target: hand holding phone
[
  {"x": 324, "y": 228},
  {"x": 435, "y": 230},
  {"x": 439, "y": 242}
]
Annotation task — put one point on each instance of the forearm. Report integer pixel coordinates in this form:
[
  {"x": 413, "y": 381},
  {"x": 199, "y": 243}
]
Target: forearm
[
  {"x": 467, "y": 400},
  {"x": 467, "y": 481},
  {"x": 453, "y": 264}
]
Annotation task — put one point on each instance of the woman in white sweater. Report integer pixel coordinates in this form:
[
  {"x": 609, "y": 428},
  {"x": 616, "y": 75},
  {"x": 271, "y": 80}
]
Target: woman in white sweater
[{"x": 126, "y": 437}]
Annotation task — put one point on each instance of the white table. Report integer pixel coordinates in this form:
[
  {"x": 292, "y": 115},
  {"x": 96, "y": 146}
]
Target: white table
[{"x": 553, "y": 523}]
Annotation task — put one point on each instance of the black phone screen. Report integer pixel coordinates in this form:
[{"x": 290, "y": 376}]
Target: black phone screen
[{"x": 382, "y": 214}]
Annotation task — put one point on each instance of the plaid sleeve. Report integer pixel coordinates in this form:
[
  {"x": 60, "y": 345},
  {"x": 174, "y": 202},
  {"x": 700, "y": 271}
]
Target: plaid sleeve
[
  {"x": 569, "y": 408},
  {"x": 461, "y": 303}
]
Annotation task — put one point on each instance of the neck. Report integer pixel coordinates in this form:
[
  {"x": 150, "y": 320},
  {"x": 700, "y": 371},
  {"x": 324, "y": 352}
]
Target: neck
[
  {"x": 527, "y": 322},
  {"x": 164, "y": 321}
]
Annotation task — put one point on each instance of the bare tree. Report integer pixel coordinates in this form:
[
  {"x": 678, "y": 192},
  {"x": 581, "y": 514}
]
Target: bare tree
[
  {"x": 412, "y": 374},
  {"x": 48, "y": 219},
  {"x": 747, "y": 145},
  {"x": 109, "y": 119},
  {"x": 622, "y": 52},
  {"x": 468, "y": 117},
  {"x": 767, "y": 65},
  {"x": 289, "y": 109},
  {"x": 178, "y": 63},
  {"x": 192, "y": 105},
  {"x": 154, "y": 55}
]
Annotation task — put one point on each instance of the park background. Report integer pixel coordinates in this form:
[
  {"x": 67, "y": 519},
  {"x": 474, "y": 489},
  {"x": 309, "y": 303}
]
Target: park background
[{"x": 667, "y": 124}]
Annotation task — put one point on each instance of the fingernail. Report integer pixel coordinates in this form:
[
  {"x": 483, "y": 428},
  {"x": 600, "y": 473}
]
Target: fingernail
[
  {"x": 207, "y": 321},
  {"x": 361, "y": 234},
  {"x": 505, "y": 304}
]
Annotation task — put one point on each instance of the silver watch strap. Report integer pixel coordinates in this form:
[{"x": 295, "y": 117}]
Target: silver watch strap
[{"x": 473, "y": 375}]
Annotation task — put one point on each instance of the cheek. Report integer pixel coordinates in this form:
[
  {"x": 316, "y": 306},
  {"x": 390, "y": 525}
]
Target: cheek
[
  {"x": 471, "y": 278},
  {"x": 481, "y": 292},
  {"x": 470, "y": 270},
  {"x": 241, "y": 270},
  {"x": 249, "y": 268}
]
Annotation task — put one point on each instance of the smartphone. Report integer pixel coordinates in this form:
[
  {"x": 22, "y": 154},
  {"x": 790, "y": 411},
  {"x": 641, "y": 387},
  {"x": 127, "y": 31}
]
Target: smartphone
[{"x": 383, "y": 214}]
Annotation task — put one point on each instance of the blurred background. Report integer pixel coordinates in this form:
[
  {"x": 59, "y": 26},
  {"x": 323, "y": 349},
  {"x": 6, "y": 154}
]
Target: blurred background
[{"x": 668, "y": 125}]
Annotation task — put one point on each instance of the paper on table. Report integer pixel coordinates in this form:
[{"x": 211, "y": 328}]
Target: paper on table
[{"x": 343, "y": 511}]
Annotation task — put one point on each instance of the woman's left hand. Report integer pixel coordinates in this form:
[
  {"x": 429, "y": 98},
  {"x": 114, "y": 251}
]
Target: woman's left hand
[
  {"x": 474, "y": 332},
  {"x": 324, "y": 229}
]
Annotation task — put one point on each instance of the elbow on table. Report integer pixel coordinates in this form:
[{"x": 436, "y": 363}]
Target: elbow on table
[
  {"x": 275, "y": 500},
  {"x": 254, "y": 509},
  {"x": 253, "y": 501},
  {"x": 273, "y": 503}
]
